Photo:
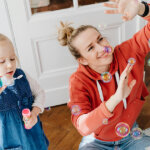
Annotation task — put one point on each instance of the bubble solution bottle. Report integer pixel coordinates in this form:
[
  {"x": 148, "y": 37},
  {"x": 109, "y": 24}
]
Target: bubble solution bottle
[{"x": 26, "y": 116}]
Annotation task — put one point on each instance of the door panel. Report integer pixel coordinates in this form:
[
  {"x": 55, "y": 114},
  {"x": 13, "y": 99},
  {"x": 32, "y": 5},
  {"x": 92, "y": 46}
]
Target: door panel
[{"x": 39, "y": 51}]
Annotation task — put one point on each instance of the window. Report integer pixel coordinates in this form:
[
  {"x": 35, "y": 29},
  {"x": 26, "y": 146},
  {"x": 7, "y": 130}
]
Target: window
[{"x": 52, "y": 5}]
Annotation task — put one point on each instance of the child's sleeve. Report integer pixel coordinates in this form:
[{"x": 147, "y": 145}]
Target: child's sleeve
[{"x": 37, "y": 92}]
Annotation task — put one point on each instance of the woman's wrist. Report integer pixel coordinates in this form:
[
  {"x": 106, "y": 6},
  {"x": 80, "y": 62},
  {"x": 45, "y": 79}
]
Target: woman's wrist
[
  {"x": 112, "y": 103},
  {"x": 143, "y": 9}
]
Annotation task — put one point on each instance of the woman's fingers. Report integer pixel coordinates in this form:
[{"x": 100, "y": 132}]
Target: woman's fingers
[
  {"x": 130, "y": 68},
  {"x": 128, "y": 8},
  {"x": 126, "y": 72},
  {"x": 114, "y": 1},
  {"x": 110, "y": 5},
  {"x": 112, "y": 11},
  {"x": 133, "y": 82}
]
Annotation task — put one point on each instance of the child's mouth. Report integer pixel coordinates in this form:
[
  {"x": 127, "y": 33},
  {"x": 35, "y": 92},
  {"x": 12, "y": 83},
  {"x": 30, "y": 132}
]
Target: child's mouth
[{"x": 10, "y": 73}]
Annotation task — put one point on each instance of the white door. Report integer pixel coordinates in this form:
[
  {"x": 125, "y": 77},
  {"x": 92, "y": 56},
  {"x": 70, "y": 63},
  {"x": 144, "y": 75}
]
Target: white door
[{"x": 40, "y": 54}]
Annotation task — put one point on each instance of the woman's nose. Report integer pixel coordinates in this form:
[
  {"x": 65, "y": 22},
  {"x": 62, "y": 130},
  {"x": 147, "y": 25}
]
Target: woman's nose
[{"x": 99, "y": 48}]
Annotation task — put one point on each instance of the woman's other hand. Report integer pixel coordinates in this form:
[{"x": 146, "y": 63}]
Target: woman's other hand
[
  {"x": 128, "y": 8},
  {"x": 124, "y": 89}
]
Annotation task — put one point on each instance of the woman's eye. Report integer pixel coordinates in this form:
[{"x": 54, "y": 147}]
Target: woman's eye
[
  {"x": 91, "y": 48},
  {"x": 100, "y": 39}
]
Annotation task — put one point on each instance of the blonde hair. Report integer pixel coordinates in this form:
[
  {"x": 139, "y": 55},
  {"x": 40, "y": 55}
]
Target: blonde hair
[
  {"x": 5, "y": 38},
  {"x": 66, "y": 35}
]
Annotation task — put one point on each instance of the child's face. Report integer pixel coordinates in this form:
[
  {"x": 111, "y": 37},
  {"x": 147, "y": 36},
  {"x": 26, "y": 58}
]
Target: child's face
[{"x": 7, "y": 59}]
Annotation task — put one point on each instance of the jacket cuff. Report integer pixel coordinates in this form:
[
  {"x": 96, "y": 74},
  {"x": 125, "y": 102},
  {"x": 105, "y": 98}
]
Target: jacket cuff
[{"x": 105, "y": 111}]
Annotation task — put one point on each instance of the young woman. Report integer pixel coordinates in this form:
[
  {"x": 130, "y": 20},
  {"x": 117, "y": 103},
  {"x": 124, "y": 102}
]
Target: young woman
[{"x": 107, "y": 90}]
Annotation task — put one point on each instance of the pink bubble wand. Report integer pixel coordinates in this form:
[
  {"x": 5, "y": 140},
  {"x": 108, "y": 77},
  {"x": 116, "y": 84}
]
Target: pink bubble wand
[{"x": 26, "y": 116}]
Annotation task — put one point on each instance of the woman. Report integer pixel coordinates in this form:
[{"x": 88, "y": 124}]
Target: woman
[{"x": 107, "y": 90}]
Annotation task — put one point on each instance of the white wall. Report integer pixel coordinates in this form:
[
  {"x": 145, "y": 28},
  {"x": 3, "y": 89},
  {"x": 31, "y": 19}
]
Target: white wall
[
  {"x": 5, "y": 26},
  {"x": 5, "y": 23}
]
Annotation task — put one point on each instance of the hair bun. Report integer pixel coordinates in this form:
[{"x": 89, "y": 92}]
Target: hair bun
[{"x": 64, "y": 33}]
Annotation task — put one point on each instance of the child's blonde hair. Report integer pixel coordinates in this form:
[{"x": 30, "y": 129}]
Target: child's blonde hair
[
  {"x": 5, "y": 38},
  {"x": 66, "y": 35}
]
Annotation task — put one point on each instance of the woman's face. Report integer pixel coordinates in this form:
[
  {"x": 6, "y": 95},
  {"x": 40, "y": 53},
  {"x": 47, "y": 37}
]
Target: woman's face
[{"x": 90, "y": 45}]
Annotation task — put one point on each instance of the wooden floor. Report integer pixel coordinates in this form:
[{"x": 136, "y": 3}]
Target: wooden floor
[
  {"x": 59, "y": 129},
  {"x": 63, "y": 136}
]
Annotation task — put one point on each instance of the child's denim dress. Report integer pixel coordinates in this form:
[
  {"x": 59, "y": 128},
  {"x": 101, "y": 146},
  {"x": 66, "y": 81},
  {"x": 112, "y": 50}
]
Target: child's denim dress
[{"x": 13, "y": 135}]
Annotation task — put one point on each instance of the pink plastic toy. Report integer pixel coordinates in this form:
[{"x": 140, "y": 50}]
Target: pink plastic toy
[{"x": 26, "y": 116}]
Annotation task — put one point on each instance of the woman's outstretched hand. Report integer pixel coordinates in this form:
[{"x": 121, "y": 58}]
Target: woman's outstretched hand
[
  {"x": 124, "y": 89},
  {"x": 128, "y": 8}
]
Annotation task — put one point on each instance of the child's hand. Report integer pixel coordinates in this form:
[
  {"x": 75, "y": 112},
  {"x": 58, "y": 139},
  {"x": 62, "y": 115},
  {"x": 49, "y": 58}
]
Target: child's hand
[
  {"x": 32, "y": 121},
  {"x": 128, "y": 8},
  {"x": 33, "y": 118},
  {"x": 2, "y": 88},
  {"x": 124, "y": 89}
]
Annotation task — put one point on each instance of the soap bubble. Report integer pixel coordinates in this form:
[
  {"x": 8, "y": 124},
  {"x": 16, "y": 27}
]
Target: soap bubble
[
  {"x": 107, "y": 49},
  {"x": 131, "y": 61},
  {"x": 106, "y": 77},
  {"x": 136, "y": 133},
  {"x": 75, "y": 110},
  {"x": 122, "y": 129},
  {"x": 105, "y": 121},
  {"x": 148, "y": 62}
]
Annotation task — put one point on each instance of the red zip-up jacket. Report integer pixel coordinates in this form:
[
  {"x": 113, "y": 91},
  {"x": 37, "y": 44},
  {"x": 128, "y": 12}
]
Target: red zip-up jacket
[{"x": 84, "y": 92}]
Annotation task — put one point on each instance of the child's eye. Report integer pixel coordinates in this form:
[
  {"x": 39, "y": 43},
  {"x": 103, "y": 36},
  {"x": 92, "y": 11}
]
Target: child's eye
[
  {"x": 91, "y": 48},
  {"x": 2, "y": 61},
  {"x": 12, "y": 59}
]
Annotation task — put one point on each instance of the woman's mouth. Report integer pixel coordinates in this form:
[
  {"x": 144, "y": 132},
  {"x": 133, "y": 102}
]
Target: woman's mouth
[{"x": 104, "y": 55}]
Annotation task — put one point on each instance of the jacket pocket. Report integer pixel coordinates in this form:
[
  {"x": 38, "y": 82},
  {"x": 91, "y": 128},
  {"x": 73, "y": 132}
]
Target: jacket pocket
[
  {"x": 14, "y": 148},
  {"x": 129, "y": 116}
]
